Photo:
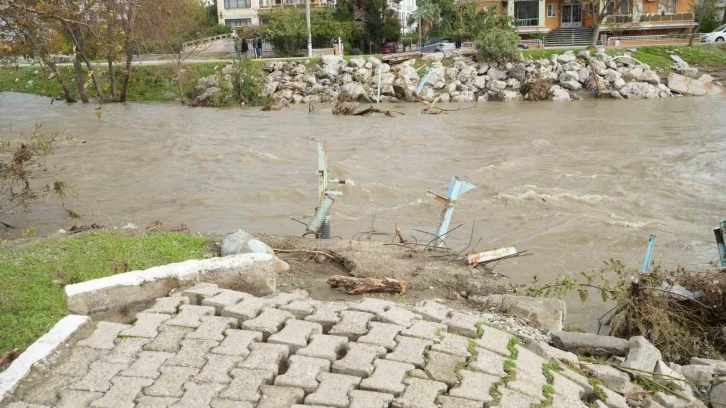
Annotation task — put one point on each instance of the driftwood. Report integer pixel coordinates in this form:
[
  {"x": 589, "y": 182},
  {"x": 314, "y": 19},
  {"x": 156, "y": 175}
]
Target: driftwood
[
  {"x": 351, "y": 109},
  {"x": 357, "y": 286},
  {"x": 371, "y": 109}
]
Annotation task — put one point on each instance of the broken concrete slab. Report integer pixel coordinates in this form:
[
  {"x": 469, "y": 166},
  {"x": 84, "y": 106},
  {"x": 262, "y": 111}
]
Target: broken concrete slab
[
  {"x": 590, "y": 344},
  {"x": 547, "y": 313}
]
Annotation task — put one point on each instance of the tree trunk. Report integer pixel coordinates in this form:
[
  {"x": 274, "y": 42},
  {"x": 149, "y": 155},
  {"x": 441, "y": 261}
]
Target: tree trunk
[
  {"x": 179, "y": 81},
  {"x": 595, "y": 35},
  {"x": 94, "y": 78},
  {"x": 80, "y": 80},
  {"x": 70, "y": 98},
  {"x": 112, "y": 77},
  {"x": 128, "y": 44},
  {"x": 77, "y": 37},
  {"x": 357, "y": 286}
]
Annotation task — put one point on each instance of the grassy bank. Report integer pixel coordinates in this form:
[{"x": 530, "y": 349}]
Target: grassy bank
[{"x": 33, "y": 275}]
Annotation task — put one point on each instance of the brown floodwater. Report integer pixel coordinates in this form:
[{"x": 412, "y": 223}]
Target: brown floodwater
[{"x": 575, "y": 184}]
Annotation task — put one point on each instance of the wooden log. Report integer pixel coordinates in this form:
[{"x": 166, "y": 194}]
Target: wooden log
[{"x": 357, "y": 286}]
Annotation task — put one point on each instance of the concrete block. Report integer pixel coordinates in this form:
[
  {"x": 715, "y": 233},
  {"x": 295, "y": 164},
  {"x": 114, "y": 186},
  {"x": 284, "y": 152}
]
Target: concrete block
[
  {"x": 560, "y": 401},
  {"x": 333, "y": 390},
  {"x": 550, "y": 353},
  {"x": 269, "y": 322},
  {"x": 246, "y": 309},
  {"x": 569, "y": 389},
  {"x": 168, "y": 305},
  {"x": 98, "y": 378},
  {"x": 283, "y": 298},
  {"x": 147, "y": 364},
  {"x": 453, "y": 402},
  {"x": 400, "y": 316},
  {"x": 420, "y": 394},
  {"x": 197, "y": 293},
  {"x": 296, "y": 334},
  {"x": 226, "y": 403},
  {"x": 590, "y": 344},
  {"x": 236, "y": 342},
  {"x": 171, "y": 381},
  {"x": 300, "y": 308},
  {"x": 531, "y": 364},
  {"x": 513, "y": 399},
  {"x": 253, "y": 273},
  {"x": 192, "y": 353},
  {"x": 372, "y": 305},
  {"x": 279, "y": 397},
  {"x": 169, "y": 339},
  {"x": 224, "y": 299},
  {"x": 146, "y": 325},
  {"x": 615, "y": 400},
  {"x": 77, "y": 364},
  {"x": 642, "y": 355},
  {"x": 387, "y": 377},
  {"x": 198, "y": 395},
  {"x": 442, "y": 367},
  {"x": 464, "y": 324},
  {"x": 125, "y": 351},
  {"x": 689, "y": 86},
  {"x": 303, "y": 373},
  {"x": 547, "y": 313},
  {"x": 155, "y": 402},
  {"x": 46, "y": 392},
  {"x": 382, "y": 334},
  {"x": 495, "y": 340},
  {"x": 104, "y": 336},
  {"x": 265, "y": 357},
  {"x": 425, "y": 330},
  {"x": 432, "y": 311},
  {"x": 358, "y": 361},
  {"x": 213, "y": 327},
  {"x": 369, "y": 399},
  {"x": 123, "y": 392},
  {"x": 525, "y": 384},
  {"x": 475, "y": 386},
  {"x": 217, "y": 369},
  {"x": 325, "y": 346},
  {"x": 612, "y": 377},
  {"x": 75, "y": 398},
  {"x": 327, "y": 314},
  {"x": 245, "y": 385},
  {"x": 191, "y": 316},
  {"x": 453, "y": 344},
  {"x": 410, "y": 350},
  {"x": 352, "y": 325},
  {"x": 488, "y": 362}
]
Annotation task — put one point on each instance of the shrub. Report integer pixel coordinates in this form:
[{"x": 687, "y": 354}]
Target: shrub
[
  {"x": 248, "y": 83},
  {"x": 220, "y": 29},
  {"x": 286, "y": 30},
  {"x": 498, "y": 39}
]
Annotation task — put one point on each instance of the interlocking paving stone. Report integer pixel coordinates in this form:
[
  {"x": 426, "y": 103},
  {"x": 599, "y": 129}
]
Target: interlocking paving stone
[
  {"x": 369, "y": 399},
  {"x": 474, "y": 386},
  {"x": 77, "y": 364},
  {"x": 419, "y": 373},
  {"x": 269, "y": 322},
  {"x": 296, "y": 334},
  {"x": 236, "y": 342},
  {"x": 198, "y": 395},
  {"x": 568, "y": 388},
  {"x": 525, "y": 384},
  {"x": 283, "y": 298},
  {"x": 303, "y": 373},
  {"x": 358, "y": 361},
  {"x": 381, "y": 334},
  {"x": 225, "y": 403},
  {"x": 352, "y": 324},
  {"x": 462, "y": 323},
  {"x": 487, "y": 362},
  {"x": 26, "y": 405},
  {"x": 46, "y": 393},
  {"x": 453, "y": 402},
  {"x": 201, "y": 291},
  {"x": 190, "y": 316},
  {"x": 309, "y": 406},
  {"x": 217, "y": 369},
  {"x": 212, "y": 328},
  {"x": 192, "y": 353},
  {"x": 560, "y": 401},
  {"x": 333, "y": 390},
  {"x": 496, "y": 340},
  {"x": 531, "y": 364},
  {"x": 246, "y": 383},
  {"x": 147, "y": 364},
  {"x": 410, "y": 350},
  {"x": 267, "y": 357},
  {"x": 324, "y": 346},
  {"x": 372, "y": 305},
  {"x": 387, "y": 377},
  {"x": 155, "y": 402},
  {"x": 578, "y": 379},
  {"x": 76, "y": 398},
  {"x": 279, "y": 397},
  {"x": 168, "y": 305},
  {"x": 171, "y": 381},
  {"x": 453, "y": 344},
  {"x": 125, "y": 351},
  {"x": 98, "y": 377},
  {"x": 300, "y": 308},
  {"x": 400, "y": 316},
  {"x": 104, "y": 336},
  {"x": 327, "y": 314},
  {"x": 122, "y": 393},
  {"x": 513, "y": 399},
  {"x": 246, "y": 309},
  {"x": 169, "y": 339},
  {"x": 420, "y": 394},
  {"x": 146, "y": 325},
  {"x": 225, "y": 298},
  {"x": 425, "y": 330},
  {"x": 432, "y": 311},
  {"x": 442, "y": 367}
]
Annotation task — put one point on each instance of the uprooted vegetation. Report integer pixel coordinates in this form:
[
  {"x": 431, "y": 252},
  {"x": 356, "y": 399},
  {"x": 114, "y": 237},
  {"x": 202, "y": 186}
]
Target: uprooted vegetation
[{"x": 681, "y": 312}]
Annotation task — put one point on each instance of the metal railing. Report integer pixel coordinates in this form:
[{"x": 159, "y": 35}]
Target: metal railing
[
  {"x": 527, "y": 22},
  {"x": 206, "y": 40},
  {"x": 531, "y": 42},
  {"x": 288, "y": 3},
  {"x": 651, "y": 18},
  {"x": 644, "y": 38}
]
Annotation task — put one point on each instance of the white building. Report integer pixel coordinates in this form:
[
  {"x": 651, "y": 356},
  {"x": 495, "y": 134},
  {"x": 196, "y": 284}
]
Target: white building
[
  {"x": 237, "y": 13},
  {"x": 404, "y": 9}
]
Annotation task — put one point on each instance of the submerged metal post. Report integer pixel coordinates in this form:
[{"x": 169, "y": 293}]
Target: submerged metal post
[
  {"x": 648, "y": 254},
  {"x": 720, "y": 238},
  {"x": 320, "y": 224},
  {"x": 429, "y": 70},
  {"x": 456, "y": 188},
  {"x": 380, "y": 74}
]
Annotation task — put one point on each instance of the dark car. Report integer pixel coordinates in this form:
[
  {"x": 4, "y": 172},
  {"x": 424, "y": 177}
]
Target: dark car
[{"x": 389, "y": 48}]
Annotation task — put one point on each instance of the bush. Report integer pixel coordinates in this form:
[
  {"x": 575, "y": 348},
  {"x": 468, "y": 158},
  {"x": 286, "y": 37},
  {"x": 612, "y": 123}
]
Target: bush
[
  {"x": 498, "y": 39},
  {"x": 220, "y": 29},
  {"x": 286, "y": 30},
  {"x": 248, "y": 83},
  {"x": 355, "y": 51}
]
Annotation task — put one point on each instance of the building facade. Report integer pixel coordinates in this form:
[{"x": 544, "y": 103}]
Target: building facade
[
  {"x": 403, "y": 10},
  {"x": 236, "y": 13}
]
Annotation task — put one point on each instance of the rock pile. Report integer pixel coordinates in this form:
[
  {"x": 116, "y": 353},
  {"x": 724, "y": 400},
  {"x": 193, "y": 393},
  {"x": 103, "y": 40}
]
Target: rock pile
[{"x": 456, "y": 78}]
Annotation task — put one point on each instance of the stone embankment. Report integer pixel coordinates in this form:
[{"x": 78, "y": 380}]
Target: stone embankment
[
  {"x": 207, "y": 346},
  {"x": 456, "y": 78}
]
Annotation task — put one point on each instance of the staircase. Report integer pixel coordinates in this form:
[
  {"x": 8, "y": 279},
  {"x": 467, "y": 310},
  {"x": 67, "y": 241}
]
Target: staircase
[{"x": 563, "y": 37}]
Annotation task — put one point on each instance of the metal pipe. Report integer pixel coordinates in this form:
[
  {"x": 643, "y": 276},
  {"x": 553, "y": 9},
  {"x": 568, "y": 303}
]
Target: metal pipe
[
  {"x": 324, "y": 231},
  {"x": 380, "y": 73},
  {"x": 721, "y": 246},
  {"x": 648, "y": 254},
  {"x": 310, "y": 35}
]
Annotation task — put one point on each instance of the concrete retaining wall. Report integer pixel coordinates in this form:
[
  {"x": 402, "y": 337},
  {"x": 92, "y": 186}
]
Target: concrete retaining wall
[{"x": 126, "y": 292}]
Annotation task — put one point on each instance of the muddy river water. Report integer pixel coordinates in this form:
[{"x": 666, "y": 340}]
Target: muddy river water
[{"x": 572, "y": 183}]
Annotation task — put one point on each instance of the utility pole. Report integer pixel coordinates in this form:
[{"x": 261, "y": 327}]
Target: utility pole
[
  {"x": 310, "y": 33},
  {"x": 419, "y": 23}
]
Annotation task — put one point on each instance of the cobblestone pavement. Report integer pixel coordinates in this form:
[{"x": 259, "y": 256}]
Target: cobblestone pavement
[{"x": 213, "y": 347}]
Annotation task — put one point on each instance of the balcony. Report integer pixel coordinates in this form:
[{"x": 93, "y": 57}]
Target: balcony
[
  {"x": 527, "y": 22},
  {"x": 267, "y": 4},
  {"x": 653, "y": 20}
]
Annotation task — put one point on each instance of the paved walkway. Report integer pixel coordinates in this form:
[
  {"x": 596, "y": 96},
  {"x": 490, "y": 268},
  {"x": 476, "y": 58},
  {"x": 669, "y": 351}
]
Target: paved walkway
[{"x": 212, "y": 347}]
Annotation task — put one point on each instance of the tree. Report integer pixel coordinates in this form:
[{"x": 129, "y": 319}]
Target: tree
[
  {"x": 600, "y": 11},
  {"x": 467, "y": 22},
  {"x": 286, "y": 29},
  {"x": 428, "y": 13},
  {"x": 706, "y": 12},
  {"x": 498, "y": 39}
]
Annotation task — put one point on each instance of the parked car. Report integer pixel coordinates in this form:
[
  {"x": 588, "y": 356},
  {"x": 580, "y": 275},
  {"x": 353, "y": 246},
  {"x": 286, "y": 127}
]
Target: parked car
[
  {"x": 438, "y": 45},
  {"x": 718, "y": 35},
  {"x": 389, "y": 48}
]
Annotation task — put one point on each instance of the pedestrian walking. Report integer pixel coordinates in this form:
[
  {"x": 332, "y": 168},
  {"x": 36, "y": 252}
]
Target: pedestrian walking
[{"x": 258, "y": 46}]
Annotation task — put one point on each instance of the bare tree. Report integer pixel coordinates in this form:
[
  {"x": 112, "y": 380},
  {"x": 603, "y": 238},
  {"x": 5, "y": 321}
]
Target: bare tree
[{"x": 600, "y": 11}]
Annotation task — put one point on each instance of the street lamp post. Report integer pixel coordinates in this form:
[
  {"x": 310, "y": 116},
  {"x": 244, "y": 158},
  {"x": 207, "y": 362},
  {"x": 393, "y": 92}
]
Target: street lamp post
[{"x": 310, "y": 34}]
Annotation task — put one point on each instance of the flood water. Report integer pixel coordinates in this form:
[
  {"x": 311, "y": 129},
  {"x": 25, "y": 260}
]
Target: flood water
[{"x": 575, "y": 184}]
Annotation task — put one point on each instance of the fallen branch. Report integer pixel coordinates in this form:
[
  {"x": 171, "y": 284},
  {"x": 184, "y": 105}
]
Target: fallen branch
[
  {"x": 371, "y": 109},
  {"x": 351, "y": 109},
  {"x": 308, "y": 251},
  {"x": 8, "y": 357},
  {"x": 357, "y": 286}
]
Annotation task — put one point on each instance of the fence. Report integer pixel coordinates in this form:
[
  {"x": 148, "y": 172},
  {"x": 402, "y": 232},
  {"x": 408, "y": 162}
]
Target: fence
[
  {"x": 651, "y": 18},
  {"x": 205, "y": 40},
  {"x": 649, "y": 39},
  {"x": 531, "y": 43}
]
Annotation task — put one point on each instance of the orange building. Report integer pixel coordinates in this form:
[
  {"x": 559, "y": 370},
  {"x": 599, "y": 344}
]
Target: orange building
[{"x": 567, "y": 22}]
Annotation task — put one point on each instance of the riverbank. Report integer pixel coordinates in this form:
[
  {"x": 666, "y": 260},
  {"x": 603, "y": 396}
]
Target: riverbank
[{"x": 156, "y": 83}]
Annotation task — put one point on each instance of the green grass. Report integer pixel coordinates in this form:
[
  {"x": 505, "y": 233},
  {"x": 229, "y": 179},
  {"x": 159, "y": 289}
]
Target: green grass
[
  {"x": 545, "y": 52},
  {"x": 33, "y": 276}
]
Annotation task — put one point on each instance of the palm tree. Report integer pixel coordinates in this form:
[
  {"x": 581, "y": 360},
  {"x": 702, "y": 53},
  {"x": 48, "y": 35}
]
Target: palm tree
[{"x": 427, "y": 14}]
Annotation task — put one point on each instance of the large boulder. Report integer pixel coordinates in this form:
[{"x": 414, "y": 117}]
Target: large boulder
[
  {"x": 356, "y": 62},
  {"x": 362, "y": 75},
  {"x": 571, "y": 85},
  {"x": 353, "y": 92},
  {"x": 210, "y": 97},
  {"x": 611, "y": 75},
  {"x": 496, "y": 85},
  {"x": 495, "y": 73},
  {"x": 375, "y": 62},
  {"x": 547, "y": 313},
  {"x": 619, "y": 83},
  {"x": 241, "y": 242},
  {"x": 590, "y": 344},
  {"x": 504, "y": 95},
  {"x": 480, "y": 82},
  {"x": 433, "y": 57},
  {"x": 331, "y": 59},
  {"x": 583, "y": 75},
  {"x": 639, "y": 90},
  {"x": 518, "y": 72},
  {"x": 556, "y": 93},
  {"x": 615, "y": 379},
  {"x": 650, "y": 77},
  {"x": 513, "y": 83},
  {"x": 642, "y": 355},
  {"x": 569, "y": 76},
  {"x": 568, "y": 56},
  {"x": 465, "y": 96},
  {"x": 633, "y": 75}
]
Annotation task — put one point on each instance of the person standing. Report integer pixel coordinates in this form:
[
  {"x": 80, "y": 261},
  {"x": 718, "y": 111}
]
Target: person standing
[
  {"x": 237, "y": 44},
  {"x": 245, "y": 47},
  {"x": 254, "y": 44},
  {"x": 258, "y": 46}
]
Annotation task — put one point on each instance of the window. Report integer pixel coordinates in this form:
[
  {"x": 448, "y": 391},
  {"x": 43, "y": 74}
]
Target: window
[
  {"x": 667, "y": 6},
  {"x": 552, "y": 10},
  {"x": 236, "y": 4},
  {"x": 238, "y": 22}
]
